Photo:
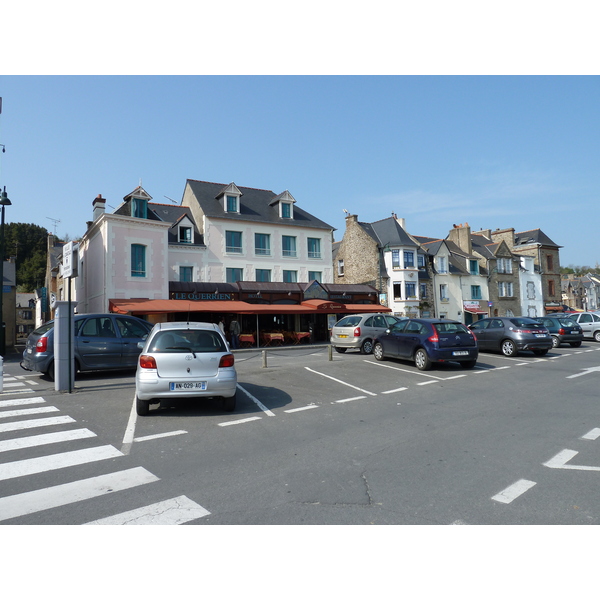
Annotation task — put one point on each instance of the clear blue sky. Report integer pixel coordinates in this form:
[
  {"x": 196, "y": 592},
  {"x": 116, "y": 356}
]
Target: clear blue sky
[
  {"x": 461, "y": 112},
  {"x": 493, "y": 151}
]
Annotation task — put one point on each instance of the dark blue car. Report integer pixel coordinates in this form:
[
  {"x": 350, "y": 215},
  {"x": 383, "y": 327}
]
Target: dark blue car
[{"x": 426, "y": 341}]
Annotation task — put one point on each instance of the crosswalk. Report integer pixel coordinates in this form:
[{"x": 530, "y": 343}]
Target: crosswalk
[{"x": 30, "y": 427}]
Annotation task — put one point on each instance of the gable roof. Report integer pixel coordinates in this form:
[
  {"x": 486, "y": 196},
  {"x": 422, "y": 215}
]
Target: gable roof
[
  {"x": 255, "y": 205},
  {"x": 173, "y": 214},
  {"x": 388, "y": 232},
  {"x": 534, "y": 236}
]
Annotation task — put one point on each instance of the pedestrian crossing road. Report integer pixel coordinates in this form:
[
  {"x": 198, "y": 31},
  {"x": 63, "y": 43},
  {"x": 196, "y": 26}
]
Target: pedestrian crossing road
[{"x": 37, "y": 440}]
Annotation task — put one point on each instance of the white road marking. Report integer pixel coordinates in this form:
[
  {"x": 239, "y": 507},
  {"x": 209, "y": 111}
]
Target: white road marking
[
  {"x": 239, "y": 421},
  {"x": 14, "y": 385},
  {"x": 21, "y": 401},
  {"x": 453, "y": 377},
  {"x": 45, "y": 438},
  {"x": 292, "y": 410},
  {"x": 427, "y": 382},
  {"x": 169, "y": 512},
  {"x": 76, "y": 491},
  {"x": 342, "y": 382},
  {"x": 584, "y": 372},
  {"x": 257, "y": 402},
  {"x": 559, "y": 462},
  {"x": 513, "y": 491},
  {"x": 158, "y": 435},
  {"x": 130, "y": 429},
  {"x": 32, "y": 423},
  {"x": 350, "y": 399},
  {"x": 370, "y": 362},
  {"x": 396, "y": 390},
  {"x": 29, "y": 466},
  {"x": 27, "y": 411},
  {"x": 594, "y": 434}
]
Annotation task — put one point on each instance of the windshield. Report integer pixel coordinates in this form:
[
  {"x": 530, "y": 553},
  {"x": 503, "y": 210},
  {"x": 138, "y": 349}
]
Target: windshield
[{"x": 187, "y": 340}]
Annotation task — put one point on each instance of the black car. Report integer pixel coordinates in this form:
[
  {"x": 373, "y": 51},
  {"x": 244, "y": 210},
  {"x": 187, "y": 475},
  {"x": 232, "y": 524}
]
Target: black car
[
  {"x": 511, "y": 335},
  {"x": 563, "y": 330},
  {"x": 426, "y": 341}
]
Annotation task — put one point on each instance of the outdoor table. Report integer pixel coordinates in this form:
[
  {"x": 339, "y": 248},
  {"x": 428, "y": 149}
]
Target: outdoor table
[
  {"x": 272, "y": 337},
  {"x": 246, "y": 339},
  {"x": 301, "y": 335}
]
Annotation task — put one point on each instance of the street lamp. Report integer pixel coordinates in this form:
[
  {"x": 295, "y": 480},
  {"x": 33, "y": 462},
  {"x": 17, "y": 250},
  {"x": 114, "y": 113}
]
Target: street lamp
[{"x": 4, "y": 201}]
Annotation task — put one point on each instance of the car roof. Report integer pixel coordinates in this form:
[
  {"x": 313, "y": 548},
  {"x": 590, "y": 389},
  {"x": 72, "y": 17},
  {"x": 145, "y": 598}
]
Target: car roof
[
  {"x": 186, "y": 325},
  {"x": 432, "y": 321}
]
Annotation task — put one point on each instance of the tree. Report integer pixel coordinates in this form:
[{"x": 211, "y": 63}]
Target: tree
[{"x": 28, "y": 243}]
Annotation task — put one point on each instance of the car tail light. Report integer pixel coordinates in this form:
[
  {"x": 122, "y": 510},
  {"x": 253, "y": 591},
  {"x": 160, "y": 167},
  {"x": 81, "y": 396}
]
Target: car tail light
[
  {"x": 227, "y": 360},
  {"x": 561, "y": 331},
  {"x": 42, "y": 344},
  {"x": 147, "y": 362},
  {"x": 434, "y": 338},
  {"x": 357, "y": 332}
]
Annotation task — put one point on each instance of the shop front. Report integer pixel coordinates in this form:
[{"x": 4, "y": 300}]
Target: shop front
[
  {"x": 269, "y": 314},
  {"x": 473, "y": 311}
]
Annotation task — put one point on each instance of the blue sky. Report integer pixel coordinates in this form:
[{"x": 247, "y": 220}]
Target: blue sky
[{"x": 493, "y": 151}]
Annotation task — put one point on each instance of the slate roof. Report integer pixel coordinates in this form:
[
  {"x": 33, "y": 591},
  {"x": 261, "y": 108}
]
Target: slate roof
[
  {"x": 255, "y": 205},
  {"x": 388, "y": 232},
  {"x": 534, "y": 236},
  {"x": 171, "y": 213}
]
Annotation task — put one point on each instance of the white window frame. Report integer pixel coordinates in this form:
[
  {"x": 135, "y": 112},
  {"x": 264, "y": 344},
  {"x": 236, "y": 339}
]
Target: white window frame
[{"x": 340, "y": 267}]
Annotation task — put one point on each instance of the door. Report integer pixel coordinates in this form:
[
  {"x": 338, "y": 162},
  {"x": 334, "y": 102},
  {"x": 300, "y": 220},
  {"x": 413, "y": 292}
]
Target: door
[
  {"x": 479, "y": 329},
  {"x": 495, "y": 333},
  {"x": 586, "y": 322},
  {"x": 389, "y": 340},
  {"x": 97, "y": 345},
  {"x": 131, "y": 332},
  {"x": 410, "y": 338}
]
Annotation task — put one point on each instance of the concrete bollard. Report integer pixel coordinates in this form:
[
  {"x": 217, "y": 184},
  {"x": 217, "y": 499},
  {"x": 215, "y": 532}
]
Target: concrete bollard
[
  {"x": 330, "y": 352},
  {"x": 264, "y": 359}
]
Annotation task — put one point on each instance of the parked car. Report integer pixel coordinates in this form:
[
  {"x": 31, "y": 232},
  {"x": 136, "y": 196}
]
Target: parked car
[
  {"x": 185, "y": 360},
  {"x": 103, "y": 341},
  {"x": 563, "y": 330},
  {"x": 426, "y": 341},
  {"x": 511, "y": 335},
  {"x": 589, "y": 323},
  {"x": 358, "y": 331}
]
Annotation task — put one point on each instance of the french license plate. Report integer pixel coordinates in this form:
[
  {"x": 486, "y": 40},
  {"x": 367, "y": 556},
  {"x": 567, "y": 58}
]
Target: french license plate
[
  {"x": 540, "y": 335},
  {"x": 342, "y": 335},
  {"x": 29, "y": 351},
  {"x": 187, "y": 386},
  {"x": 460, "y": 353}
]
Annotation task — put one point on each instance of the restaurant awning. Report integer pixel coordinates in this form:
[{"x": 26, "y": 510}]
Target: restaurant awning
[
  {"x": 147, "y": 307},
  {"x": 475, "y": 311}
]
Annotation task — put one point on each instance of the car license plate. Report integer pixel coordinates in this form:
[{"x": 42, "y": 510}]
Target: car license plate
[
  {"x": 540, "y": 335},
  {"x": 187, "y": 386},
  {"x": 342, "y": 335},
  {"x": 460, "y": 353},
  {"x": 29, "y": 351}
]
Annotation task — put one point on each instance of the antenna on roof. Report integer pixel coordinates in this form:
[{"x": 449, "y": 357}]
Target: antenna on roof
[
  {"x": 56, "y": 221},
  {"x": 171, "y": 199}
]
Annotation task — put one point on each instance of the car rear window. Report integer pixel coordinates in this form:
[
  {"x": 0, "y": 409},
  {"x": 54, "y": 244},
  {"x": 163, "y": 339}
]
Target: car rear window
[
  {"x": 450, "y": 328},
  {"x": 187, "y": 340},
  {"x": 567, "y": 322},
  {"x": 348, "y": 322},
  {"x": 44, "y": 328},
  {"x": 530, "y": 323}
]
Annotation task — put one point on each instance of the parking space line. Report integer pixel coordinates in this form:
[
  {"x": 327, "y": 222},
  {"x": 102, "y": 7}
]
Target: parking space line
[
  {"x": 453, "y": 377},
  {"x": 145, "y": 438},
  {"x": 239, "y": 421},
  {"x": 396, "y": 390},
  {"x": 351, "y": 399},
  {"x": 257, "y": 402},
  {"x": 513, "y": 491},
  {"x": 340, "y": 381},
  {"x": 594, "y": 434},
  {"x": 426, "y": 382},
  {"x": 369, "y": 362},
  {"x": 292, "y": 410}
]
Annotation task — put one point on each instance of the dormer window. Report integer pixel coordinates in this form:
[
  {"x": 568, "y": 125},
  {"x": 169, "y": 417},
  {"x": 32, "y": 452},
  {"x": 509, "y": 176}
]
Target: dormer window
[
  {"x": 185, "y": 235},
  {"x": 232, "y": 204},
  {"x": 286, "y": 210},
  {"x": 139, "y": 208}
]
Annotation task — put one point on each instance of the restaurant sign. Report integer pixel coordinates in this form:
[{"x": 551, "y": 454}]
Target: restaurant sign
[{"x": 199, "y": 296}]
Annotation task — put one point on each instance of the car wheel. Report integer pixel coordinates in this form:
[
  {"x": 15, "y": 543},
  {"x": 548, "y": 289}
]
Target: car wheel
[
  {"x": 540, "y": 352},
  {"x": 142, "y": 407},
  {"x": 229, "y": 404},
  {"x": 422, "y": 360},
  {"x": 469, "y": 364},
  {"x": 340, "y": 350},
  {"x": 555, "y": 341},
  {"x": 378, "y": 351},
  {"x": 509, "y": 348},
  {"x": 367, "y": 347},
  {"x": 597, "y": 335},
  {"x": 575, "y": 344}
]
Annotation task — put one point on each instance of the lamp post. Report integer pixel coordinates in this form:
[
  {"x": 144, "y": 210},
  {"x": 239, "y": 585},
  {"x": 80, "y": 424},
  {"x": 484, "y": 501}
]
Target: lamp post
[{"x": 4, "y": 201}]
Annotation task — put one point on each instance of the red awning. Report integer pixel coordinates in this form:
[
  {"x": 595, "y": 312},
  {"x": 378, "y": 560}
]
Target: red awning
[{"x": 474, "y": 311}]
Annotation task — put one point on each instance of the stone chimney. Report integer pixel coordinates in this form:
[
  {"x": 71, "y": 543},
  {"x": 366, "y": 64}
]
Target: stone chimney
[
  {"x": 99, "y": 205},
  {"x": 508, "y": 235},
  {"x": 461, "y": 236}
]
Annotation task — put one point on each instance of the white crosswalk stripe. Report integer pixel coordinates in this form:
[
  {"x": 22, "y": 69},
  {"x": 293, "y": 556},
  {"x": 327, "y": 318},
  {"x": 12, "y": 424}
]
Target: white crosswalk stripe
[{"x": 173, "y": 511}]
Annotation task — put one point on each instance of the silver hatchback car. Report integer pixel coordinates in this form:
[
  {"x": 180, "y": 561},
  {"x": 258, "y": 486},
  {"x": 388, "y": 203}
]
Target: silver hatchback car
[
  {"x": 358, "y": 332},
  {"x": 185, "y": 360}
]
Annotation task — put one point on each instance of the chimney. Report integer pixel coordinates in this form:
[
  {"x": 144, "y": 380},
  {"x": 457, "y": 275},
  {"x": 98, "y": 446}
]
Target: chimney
[
  {"x": 99, "y": 205},
  {"x": 461, "y": 236}
]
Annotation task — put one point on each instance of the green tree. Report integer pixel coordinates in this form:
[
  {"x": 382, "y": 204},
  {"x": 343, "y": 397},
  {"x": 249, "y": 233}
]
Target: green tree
[{"x": 28, "y": 243}]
